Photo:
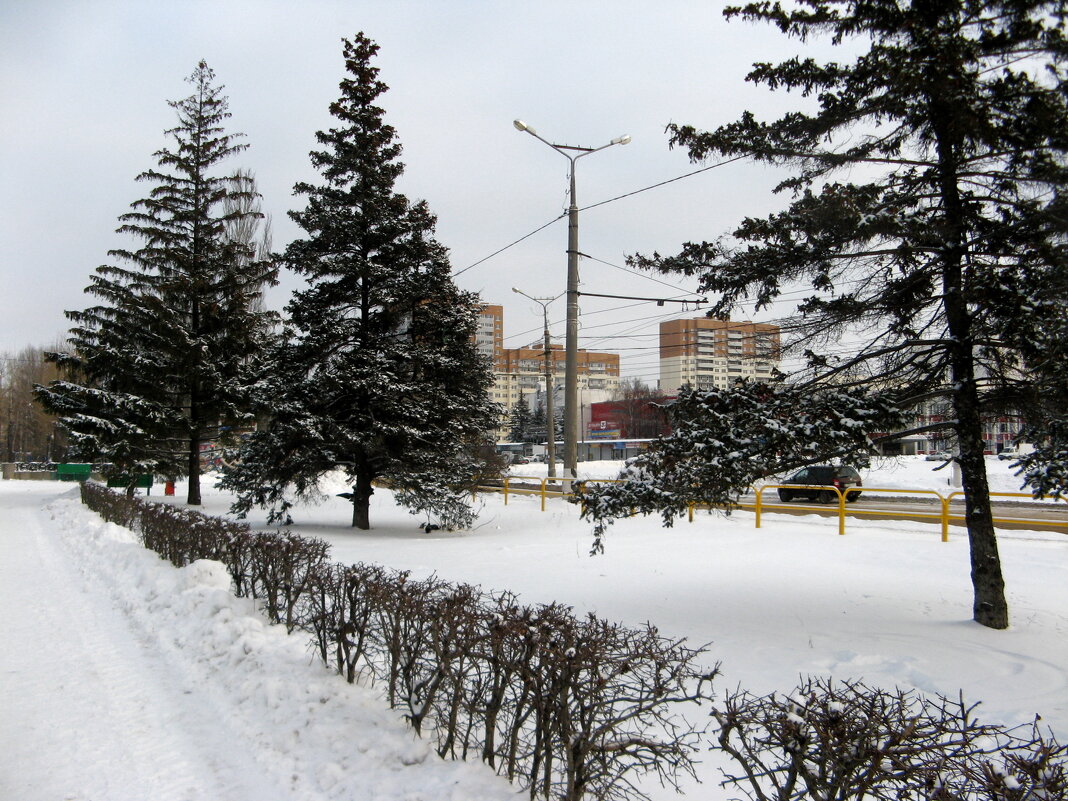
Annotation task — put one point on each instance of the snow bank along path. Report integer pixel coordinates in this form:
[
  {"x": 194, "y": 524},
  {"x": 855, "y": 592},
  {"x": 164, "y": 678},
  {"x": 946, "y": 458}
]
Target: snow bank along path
[{"x": 126, "y": 679}]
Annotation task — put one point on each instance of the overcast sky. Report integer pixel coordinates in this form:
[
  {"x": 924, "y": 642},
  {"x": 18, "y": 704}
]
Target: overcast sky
[{"x": 83, "y": 106}]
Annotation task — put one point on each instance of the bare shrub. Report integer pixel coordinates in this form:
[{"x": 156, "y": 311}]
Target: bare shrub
[
  {"x": 576, "y": 709},
  {"x": 844, "y": 740},
  {"x": 405, "y": 611},
  {"x": 239, "y": 556},
  {"x": 337, "y": 613},
  {"x": 114, "y": 508},
  {"x": 1020, "y": 764},
  {"x": 613, "y": 695},
  {"x": 569, "y": 708},
  {"x": 283, "y": 569}
]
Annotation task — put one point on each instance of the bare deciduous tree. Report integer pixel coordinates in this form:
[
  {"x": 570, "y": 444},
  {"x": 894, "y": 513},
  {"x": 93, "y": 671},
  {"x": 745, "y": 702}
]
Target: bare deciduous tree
[{"x": 27, "y": 432}]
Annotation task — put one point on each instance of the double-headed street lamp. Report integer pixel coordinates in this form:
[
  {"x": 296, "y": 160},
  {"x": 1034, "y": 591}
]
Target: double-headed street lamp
[
  {"x": 550, "y": 372},
  {"x": 571, "y": 420}
]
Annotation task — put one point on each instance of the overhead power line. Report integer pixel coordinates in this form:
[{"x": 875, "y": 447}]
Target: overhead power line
[
  {"x": 512, "y": 244},
  {"x": 595, "y": 205},
  {"x": 664, "y": 183},
  {"x": 634, "y": 272}
]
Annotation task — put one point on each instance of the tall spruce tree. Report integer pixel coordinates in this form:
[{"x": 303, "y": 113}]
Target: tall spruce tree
[
  {"x": 154, "y": 368},
  {"x": 538, "y": 429},
  {"x": 378, "y": 374},
  {"x": 941, "y": 254}
]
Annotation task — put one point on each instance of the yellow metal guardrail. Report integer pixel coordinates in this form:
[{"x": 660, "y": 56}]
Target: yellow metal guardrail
[
  {"x": 543, "y": 490},
  {"x": 943, "y": 515}
]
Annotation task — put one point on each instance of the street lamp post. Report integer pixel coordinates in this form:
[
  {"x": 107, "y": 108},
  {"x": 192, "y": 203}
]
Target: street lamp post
[
  {"x": 571, "y": 418},
  {"x": 550, "y": 411}
]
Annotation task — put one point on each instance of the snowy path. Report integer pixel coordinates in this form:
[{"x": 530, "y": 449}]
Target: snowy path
[
  {"x": 125, "y": 679},
  {"x": 118, "y": 721}
]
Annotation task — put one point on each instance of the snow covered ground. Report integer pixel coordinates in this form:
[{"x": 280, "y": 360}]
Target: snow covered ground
[{"x": 127, "y": 679}]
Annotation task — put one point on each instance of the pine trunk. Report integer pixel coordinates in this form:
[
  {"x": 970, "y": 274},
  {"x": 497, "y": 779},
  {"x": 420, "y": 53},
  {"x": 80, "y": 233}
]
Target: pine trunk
[
  {"x": 989, "y": 607},
  {"x": 193, "y": 468},
  {"x": 193, "y": 456},
  {"x": 361, "y": 502},
  {"x": 193, "y": 496}
]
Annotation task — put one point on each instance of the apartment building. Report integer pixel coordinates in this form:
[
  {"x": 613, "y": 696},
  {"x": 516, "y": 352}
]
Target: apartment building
[
  {"x": 489, "y": 338},
  {"x": 523, "y": 373},
  {"x": 520, "y": 371},
  {"x": 707, "y": 353}
]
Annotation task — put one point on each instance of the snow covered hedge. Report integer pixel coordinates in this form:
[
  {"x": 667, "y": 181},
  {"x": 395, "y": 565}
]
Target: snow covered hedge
[
  {"x": 567, "y": 707},
  {"x": 573, "y": 708}
]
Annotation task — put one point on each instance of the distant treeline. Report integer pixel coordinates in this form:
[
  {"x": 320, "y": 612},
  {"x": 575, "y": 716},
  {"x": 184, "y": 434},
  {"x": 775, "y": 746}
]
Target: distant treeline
[{"x": 27, "y": 432}]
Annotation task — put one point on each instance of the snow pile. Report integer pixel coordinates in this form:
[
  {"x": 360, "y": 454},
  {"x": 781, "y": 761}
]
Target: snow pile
[{"x": 309, "y": 730}]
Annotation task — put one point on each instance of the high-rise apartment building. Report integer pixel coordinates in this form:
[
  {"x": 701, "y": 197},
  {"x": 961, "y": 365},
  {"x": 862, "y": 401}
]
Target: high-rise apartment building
[
  {"x": 707, "y": 353},
  {"x": 489, "y": 338}
]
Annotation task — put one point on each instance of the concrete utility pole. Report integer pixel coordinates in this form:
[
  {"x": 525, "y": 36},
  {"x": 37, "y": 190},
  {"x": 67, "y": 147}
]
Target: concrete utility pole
[
  {"x": 550, "y": 411},
  {"x": 571, "y": 410}
]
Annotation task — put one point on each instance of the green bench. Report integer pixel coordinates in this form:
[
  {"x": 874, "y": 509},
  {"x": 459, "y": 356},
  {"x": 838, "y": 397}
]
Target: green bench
[
  {"x": 143, "y": 481},
  {"x": 73, "y": 472}
]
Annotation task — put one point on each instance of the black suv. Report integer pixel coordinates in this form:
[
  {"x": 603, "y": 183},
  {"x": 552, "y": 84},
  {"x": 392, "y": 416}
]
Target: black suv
[{"x": 824, "y": 475}]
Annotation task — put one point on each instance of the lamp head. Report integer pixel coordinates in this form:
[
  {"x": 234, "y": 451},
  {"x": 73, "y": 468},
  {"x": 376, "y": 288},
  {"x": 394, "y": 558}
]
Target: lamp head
[
  {"x": 622, "y": 140},
  {"x": 522, "y": 126}
]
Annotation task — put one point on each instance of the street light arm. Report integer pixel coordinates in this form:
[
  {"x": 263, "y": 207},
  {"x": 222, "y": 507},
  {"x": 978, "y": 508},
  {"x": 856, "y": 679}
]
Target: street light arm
[
  {"x": 619, "y": 140},
  {"x": 584, "y": 151},
  {"x": 522, "y": 126},
  {"x": 543, "y": 302}
]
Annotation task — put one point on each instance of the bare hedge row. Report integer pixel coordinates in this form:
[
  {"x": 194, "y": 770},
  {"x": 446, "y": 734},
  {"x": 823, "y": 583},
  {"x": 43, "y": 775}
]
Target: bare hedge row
[
  {"x": 572, "y": 707},
  {"x": 833, "y": 741},
  {"x": 567, "y": 707}
]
